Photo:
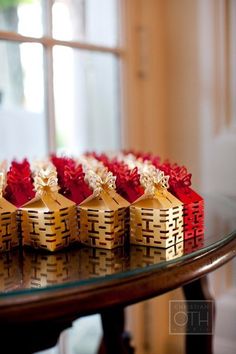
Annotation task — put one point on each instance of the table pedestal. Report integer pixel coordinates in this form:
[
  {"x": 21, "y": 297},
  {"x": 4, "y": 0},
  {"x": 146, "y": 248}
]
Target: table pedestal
[
  {"x": 115, "y": 339},
  {"x": 198, "y": 294},
  {"x": 36, "y": 336},
  {"x": 30, "y": 338}
]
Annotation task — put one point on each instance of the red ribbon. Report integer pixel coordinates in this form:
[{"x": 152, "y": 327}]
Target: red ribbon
[
  {"x": 71, "y": 179},
  {"x": 76, "y": 188},
  {"x": 179, "y": 176},
  {"x": 127, "y": 181},
  {"x": 60, "y": 163},
  {"x": 20, "y": 188}
]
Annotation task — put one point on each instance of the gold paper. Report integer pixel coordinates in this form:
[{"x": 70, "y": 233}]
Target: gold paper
[
  {"x": 49, "y": 222},
  {"x": 10, "y": 271},
  {"x": 8, "y": 223},
  {"x": 103, "y": 220},
  {"x": 40, "y": 270},
  {"x": 8, "y": 226},
  {"x": 141, "y": 256},
  {"x": 156, "y": 221},
  {"x": 95, "y": 262}
]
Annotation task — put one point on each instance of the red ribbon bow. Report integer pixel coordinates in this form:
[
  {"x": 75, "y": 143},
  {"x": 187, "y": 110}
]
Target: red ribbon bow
[{"x": 20, "y": 188}]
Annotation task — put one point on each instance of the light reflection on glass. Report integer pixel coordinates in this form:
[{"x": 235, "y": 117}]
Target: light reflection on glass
[
  {"x": 90, "y": 21},
  {"x": 86, "y": 100},
  {"x": 24, "y": 18},
  {"x": 22, "y": 116}
]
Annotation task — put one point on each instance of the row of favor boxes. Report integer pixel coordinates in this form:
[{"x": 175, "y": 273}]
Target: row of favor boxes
[
  {"x": 30, "y": 269},
  {"x": 50, "y": 221},
  {"x": 99, "y": 201}
]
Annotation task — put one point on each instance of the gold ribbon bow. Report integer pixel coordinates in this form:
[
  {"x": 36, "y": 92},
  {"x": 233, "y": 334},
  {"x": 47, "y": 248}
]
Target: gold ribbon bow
[
  {"x": 98, "y": 183},
  {"x": 2, "y": 183},
  {"x": 153, "y": 180},
  {"x": 3, "y": 169},
  {"x": 90, "y": 163},
  {"x": 45, "y": 180}
]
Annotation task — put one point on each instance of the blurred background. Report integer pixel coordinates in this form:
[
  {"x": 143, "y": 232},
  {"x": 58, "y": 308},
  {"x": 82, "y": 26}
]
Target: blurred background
[{"x": 151, "y": 75}]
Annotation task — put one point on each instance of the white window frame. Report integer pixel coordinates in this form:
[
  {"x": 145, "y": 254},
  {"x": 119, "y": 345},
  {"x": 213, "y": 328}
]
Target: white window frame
[{"x": 48, "y": 42}]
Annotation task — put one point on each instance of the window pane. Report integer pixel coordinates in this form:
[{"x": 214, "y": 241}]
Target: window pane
[
  {"x": 86, "y": 100},
  {"x": 24, "y": 17},
  {"x": 93, "y": 21},
  {"x": 22, "y": 119}
]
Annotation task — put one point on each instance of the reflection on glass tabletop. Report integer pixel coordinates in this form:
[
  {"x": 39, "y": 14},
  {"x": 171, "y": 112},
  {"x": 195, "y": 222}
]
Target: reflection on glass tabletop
[{"x": 27, "y": 270}]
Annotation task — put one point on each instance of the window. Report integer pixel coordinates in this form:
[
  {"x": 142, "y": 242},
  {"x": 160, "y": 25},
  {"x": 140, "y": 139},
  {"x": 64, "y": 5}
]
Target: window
[{"x": 59, "y": 77}]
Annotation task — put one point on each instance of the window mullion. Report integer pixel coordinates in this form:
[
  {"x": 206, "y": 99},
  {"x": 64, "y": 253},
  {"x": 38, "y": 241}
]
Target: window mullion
[
  {"x": 50, "y": 42},
  {"x": 48, "y": 79}
]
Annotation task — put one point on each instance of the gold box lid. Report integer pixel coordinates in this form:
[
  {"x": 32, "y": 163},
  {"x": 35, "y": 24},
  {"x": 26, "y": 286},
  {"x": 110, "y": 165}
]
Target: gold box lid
[{"x": 107, "y": 200}]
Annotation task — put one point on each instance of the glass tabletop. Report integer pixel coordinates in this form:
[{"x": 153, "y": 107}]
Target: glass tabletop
[{"x": 27, "y": 270}]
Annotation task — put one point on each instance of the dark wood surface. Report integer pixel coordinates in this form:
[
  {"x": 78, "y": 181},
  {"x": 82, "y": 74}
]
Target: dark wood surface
[
  {"x": 31, "y": 320},
  {"x": 74, "y": 301},
  {"x": 197, "y": 294},
  {"x": 115, "y": 339},
  {"x": 32, "y": 337}
]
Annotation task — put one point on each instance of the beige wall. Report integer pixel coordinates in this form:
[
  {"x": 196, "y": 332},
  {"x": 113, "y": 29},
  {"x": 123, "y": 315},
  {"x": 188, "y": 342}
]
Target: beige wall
[
  {"x": 176, "y": 93},
  {"x": 144, "y": 74},
  {"x": 161, "y": 74},
  {"x": 150, "y": 109},
  {"x": 176, "y": 108},
  {"x": 182, "y": 77}
]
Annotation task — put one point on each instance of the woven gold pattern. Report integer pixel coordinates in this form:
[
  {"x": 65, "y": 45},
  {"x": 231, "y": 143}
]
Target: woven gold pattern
[
  {"x": 48, "y": 269},
  {"x": 157, "y": 221},
  {"x": 49, "y": 222},
  {"x": 10, "y": 272},
  {"x": 8, "y": 226},
  {"x": 95, "y": 262},
  {"x": 103, "y": 220},
  {"x": 141, "y": 256}
]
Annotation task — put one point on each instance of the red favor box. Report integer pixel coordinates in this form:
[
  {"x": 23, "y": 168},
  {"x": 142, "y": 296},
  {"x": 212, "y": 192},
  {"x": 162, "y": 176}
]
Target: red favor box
[
  {"x": 193, "y": 244},
  {"x": 193, "y": 209}
]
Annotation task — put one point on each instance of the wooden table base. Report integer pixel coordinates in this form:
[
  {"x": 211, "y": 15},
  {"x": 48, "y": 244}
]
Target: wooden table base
[
  {"x": 28, "y": 339},
  {"x": 195, "y": 291},
  {"x": 115, "y": 339}
]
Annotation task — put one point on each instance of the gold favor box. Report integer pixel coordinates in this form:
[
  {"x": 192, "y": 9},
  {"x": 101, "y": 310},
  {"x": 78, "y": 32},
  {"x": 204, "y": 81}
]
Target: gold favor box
[
  {"x": 103, "y": 220},
  {"x": 49, "y": 222},
  {"x": 96, "y": 262},
  {"x": 156, "y": 221},
  {"x": 8, "y": 226},
  {"x": 141, "y": 256},
  {"x": 10, "y": 271},
  {"x": 42, "y": 270}
]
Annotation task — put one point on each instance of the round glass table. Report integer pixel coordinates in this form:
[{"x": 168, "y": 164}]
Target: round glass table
[{"x": 41, "y": 293}]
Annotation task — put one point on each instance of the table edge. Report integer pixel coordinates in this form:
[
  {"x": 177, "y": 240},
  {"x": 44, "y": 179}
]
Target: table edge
[{"x": 93, "y": 298}]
